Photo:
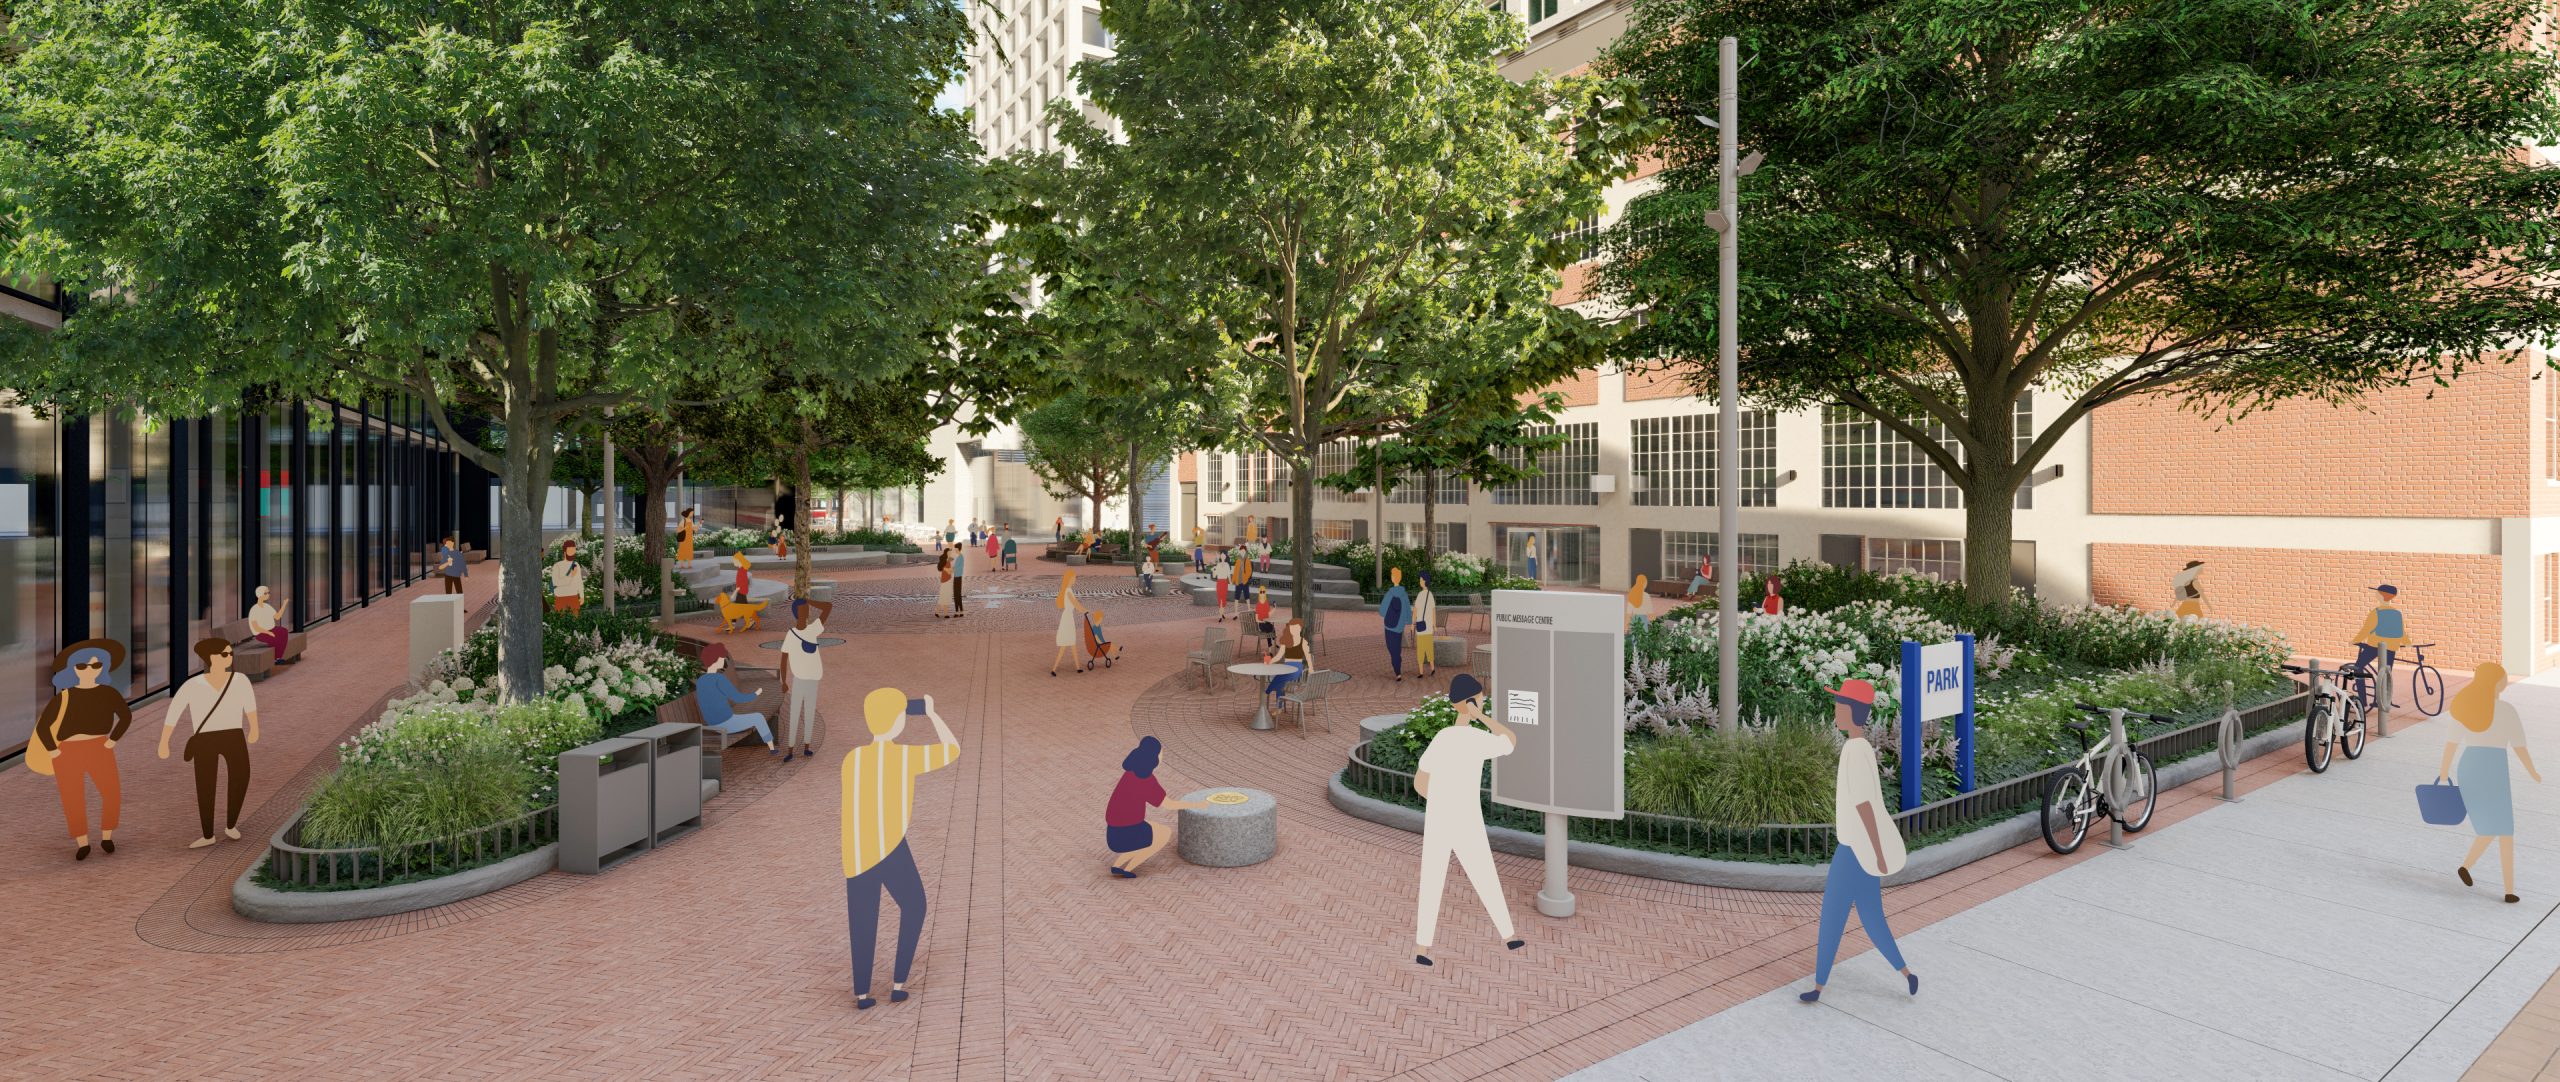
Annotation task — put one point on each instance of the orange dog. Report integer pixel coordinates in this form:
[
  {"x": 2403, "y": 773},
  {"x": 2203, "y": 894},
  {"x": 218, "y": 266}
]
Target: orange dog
[{"x": 743, "y": 615}]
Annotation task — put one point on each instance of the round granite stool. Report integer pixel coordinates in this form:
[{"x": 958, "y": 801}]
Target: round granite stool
[{"x": 1239, "y": 827}]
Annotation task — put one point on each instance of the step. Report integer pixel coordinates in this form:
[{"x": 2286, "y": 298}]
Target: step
[{"x": 1282, "y": 568}]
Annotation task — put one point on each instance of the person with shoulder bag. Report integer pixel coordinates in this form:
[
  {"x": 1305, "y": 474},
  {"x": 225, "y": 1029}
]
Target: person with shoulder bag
[
  {"x": 225, "y": 709},
  {"x": 78, "y": 732}
]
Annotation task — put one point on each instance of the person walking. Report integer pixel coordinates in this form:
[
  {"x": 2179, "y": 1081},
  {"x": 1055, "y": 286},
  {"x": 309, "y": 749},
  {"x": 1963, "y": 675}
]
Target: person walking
[
  {"x": 78, "y": 731},
  {"x": 995, "y": 551},
  {"x": 1447, "y": 780},
  {"x": 1426, "y": 618},
  {"x": 942, "y": 586},
  {"x": 449, "y": 564},
  {"x": 1533, "y": 558},
  {"x": 1241, "y": 580},
  {"x": 1395, "y": 611},
  {"x": 2186, "y": 600},
  {"x": 1219, "y": 577},
  {"x": 684, "y": 538},
  {"x": 718, "y": 699},
  {"x": 739, "y": 560},
  {"x": 1636, "y": 619},
  {"x": 1870, "y": 847},
  {"x": 569, "y": 580},
  {"x": 960, "y": 581},
  {"x": 1070, "y": 619},
  {"x": 225, "y": 709},
  {"x": 1125, "y": 829},
  {"x": 2491, "y": 729},
  {"x": 266, "y": 624},
  {"x": 878, "y": 787},
  {"x": 800, "y": 649}
]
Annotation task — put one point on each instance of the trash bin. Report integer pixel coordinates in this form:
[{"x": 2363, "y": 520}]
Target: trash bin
[
  {"x": 676, "y": 759},
  {"x": 604, "y": 804}
]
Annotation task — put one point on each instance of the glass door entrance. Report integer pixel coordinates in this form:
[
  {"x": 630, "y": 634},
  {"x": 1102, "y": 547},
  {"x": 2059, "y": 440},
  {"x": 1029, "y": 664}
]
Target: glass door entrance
[{"x": 1565, "y": 555}]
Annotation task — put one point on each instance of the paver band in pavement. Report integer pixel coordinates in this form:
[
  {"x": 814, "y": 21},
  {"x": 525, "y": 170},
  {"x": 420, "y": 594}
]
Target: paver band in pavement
[{"x": 998, "y": 603}]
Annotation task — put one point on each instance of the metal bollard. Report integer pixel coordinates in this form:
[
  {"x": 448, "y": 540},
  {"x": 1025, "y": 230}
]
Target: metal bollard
[
  {"x": 2229, "y": 735},
  {"x": 2382, "y": 696}
]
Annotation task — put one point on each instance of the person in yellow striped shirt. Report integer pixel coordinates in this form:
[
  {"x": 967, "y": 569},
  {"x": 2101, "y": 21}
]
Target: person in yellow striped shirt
[{"x": 879, "y": 795}]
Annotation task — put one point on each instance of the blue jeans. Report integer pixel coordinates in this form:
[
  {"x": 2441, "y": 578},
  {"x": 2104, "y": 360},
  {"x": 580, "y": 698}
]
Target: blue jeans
[
  {"x": 737, "y": 722},
  {"x": 1280, "y": 683},
  {"x": 896, "y": 873},
  {"x": 1849, "y": 884},
  {"x": 1395, "y": 649}
]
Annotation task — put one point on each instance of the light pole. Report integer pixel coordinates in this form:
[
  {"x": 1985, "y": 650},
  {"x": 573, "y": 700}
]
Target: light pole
[
  {"x": 612, "y": 507},
  {"x": 1725, "y": 220}
]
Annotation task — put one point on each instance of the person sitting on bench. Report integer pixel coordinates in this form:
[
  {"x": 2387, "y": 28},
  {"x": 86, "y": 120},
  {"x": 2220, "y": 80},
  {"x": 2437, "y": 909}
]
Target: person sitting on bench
[{"x": 717, "y": 697}]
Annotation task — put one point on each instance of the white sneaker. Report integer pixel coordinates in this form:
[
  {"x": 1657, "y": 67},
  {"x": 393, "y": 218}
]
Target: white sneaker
[
  {"x": 200, "y": 843},
  {"x": 231, "y": 833}
]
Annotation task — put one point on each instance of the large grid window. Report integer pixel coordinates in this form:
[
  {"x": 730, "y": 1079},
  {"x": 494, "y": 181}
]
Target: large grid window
[
  {"x": 1215, "y": 491},
  {"x": 1409, "y": 534},
  {"x": 1937, "y": 559},
  {"x": 1682, "y": 549},
  {"x": 1542, "y": 10},
  {"x": 1337, "y": 458},
  {"x": 1583, "y": 239},
  {"x": 1453, "y": 489},
  {"x": 1674, "y": 458},
  {"x": 1866, "y": 465},
  {"x": 1564, "y": 473},
  {"x": 1334, "y": 531}
]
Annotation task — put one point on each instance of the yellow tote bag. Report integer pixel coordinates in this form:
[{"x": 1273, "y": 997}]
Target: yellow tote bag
[{"x": 39, "y": 757}]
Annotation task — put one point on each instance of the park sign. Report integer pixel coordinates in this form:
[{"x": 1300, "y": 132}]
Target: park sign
[
  {"x": 1559, "y": 681},
  {"x": 1937, "y": 682}
]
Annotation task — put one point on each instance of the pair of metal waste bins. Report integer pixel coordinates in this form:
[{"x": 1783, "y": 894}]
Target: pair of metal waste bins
[{"x": 624, "y": 795}]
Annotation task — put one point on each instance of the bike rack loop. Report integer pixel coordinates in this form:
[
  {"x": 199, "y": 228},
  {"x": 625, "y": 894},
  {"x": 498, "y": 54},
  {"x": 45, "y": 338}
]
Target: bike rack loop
[
  {"x": 2228, "y": 735},
  {"x": 2123, "y": 753}
]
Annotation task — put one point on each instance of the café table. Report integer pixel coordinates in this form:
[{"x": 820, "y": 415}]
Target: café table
[{"x": 1261, "y": 673}]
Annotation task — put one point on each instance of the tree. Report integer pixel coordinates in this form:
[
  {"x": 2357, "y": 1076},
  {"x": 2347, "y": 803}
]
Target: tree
[
  {"x": 503, "y": 207},
  {"x": 1093, "y": 447},
  {"x": 2231, "y": 203},
  {"x": 1301, "y": 182}
]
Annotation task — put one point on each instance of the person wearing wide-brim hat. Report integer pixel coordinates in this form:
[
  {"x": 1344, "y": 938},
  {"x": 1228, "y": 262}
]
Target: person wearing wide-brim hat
[
  {"x": 79, "y": 728},
  {"x": 2185, "y": 599}
]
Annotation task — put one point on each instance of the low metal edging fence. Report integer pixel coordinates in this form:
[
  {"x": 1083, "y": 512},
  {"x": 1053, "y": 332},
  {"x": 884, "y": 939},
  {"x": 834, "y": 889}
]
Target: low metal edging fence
[
  {"x": 289, "y": 861},
  {"x": 1814, "y": 841}
]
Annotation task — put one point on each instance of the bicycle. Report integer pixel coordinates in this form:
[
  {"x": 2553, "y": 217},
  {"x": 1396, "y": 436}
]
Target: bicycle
[
  {"x": 2337, "y": 718},
  {"x": 2429, "y": 686},
  {"x": 2110, "y": 779}
]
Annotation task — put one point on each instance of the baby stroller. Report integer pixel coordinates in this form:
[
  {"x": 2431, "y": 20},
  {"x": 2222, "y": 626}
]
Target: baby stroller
[{"x": 1097, "y": 647}]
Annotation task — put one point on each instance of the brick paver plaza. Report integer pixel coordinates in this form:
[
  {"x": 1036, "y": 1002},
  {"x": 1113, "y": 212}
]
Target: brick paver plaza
[{"x": 724, "y": 954}]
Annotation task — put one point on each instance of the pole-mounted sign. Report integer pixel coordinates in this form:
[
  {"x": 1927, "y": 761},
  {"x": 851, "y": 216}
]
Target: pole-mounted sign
[
  {"x": 1937, "y": 682},
  {"x": 1559, "y": 681}
]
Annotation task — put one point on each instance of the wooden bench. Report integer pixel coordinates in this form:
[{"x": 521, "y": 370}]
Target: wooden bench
[
  {"x": 684, "y": 710},
  {"x": 251, "y": 656},
  {"x": 1104, "y": 553},
  {"x": 1676, "y": 591}
]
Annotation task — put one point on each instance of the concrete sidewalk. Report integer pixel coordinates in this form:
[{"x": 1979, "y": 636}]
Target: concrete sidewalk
[{"x": 2315, "y": 930}]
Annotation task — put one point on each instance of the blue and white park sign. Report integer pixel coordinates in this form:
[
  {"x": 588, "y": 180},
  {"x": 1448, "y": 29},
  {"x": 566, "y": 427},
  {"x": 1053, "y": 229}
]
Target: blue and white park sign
[{"x": 1937, "y": 682}]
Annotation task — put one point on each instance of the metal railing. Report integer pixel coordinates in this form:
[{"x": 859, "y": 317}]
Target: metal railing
[
  {"x": 288, "y": 861},
  {"x": 1808, "y": 843}
]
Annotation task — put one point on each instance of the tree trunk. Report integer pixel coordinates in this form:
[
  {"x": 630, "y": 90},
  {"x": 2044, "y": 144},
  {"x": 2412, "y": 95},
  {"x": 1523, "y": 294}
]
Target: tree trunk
[
  {"x": 1135, "y": 507},
  {"x": 800, "y": 509},
  {"x": 525, "y": 478},
  {"x": 1990, "y": 519},
  {"x": 1430, "y": 504},
  {"x": 1378, "y": 523},
  {"x": 1302, "y": 514},
  {"x": 659, "y": 466},
  {"x": 586, "y": 513}
]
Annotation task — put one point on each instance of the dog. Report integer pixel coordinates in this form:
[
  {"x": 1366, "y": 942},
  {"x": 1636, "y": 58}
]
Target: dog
[{"x": 739, "y": 613}]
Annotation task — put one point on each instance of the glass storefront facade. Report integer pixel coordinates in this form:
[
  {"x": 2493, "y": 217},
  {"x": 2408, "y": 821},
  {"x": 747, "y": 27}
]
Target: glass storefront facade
[{"x": 156, "y": 532}]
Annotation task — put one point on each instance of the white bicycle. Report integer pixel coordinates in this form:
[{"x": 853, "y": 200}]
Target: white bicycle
[
  {"x": 2110, "y": 779},
  {"x": 2337, "y": 718}
]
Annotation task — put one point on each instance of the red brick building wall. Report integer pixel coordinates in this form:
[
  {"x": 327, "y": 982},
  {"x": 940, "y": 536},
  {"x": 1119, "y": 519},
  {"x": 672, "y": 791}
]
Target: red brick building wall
[
  {"x": 2462, "y": 451},
  {"x": 2318, "y": 600}
]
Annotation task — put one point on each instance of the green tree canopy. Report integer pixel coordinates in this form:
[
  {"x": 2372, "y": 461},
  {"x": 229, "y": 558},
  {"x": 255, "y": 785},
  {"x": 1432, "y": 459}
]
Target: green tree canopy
[
  {"x": 1302, "y": 183},
  {"x": 2229, "y": 201},
  {"x": 530, "y": 209}
]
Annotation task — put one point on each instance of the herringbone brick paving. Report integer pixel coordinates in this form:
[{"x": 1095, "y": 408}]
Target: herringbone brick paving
[{"x": 723, "y": 956}]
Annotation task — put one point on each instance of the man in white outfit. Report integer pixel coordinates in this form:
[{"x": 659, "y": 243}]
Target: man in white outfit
[
  {"x": 800, "y": 655},
  {"x": 1449, "y": 779}
]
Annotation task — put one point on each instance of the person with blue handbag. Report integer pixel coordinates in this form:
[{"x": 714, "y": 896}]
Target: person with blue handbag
[{"x": 2490, "y": 730}]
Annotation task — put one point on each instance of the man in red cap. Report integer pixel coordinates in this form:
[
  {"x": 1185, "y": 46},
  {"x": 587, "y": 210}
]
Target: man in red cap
[{"x": 1870, "y": 847}]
